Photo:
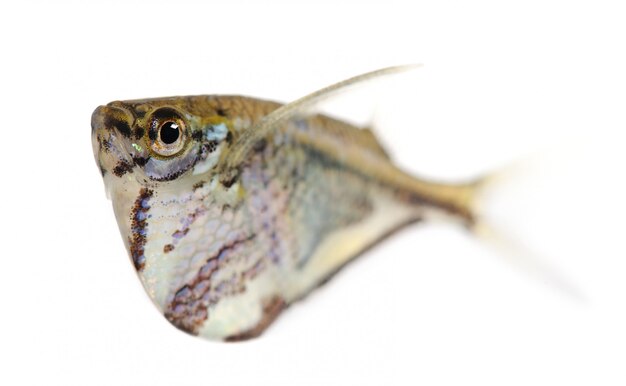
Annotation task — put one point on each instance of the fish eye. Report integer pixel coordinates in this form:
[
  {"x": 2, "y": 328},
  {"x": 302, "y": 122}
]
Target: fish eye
[{"x": 167, "y": 132}]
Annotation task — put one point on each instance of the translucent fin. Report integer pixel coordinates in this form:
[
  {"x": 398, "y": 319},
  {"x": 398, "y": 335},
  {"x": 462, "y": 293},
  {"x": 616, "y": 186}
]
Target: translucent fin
[
  {"x": 525, "y": 259},
  {"x": 514, "y": 251},
  {"x": 373, "y": 142},
  {"x": 246, "y": 140}
]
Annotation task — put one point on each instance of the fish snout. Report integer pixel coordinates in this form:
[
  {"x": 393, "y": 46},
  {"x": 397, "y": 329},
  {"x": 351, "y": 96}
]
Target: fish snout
[
  {"x": 111, "y": 117},
  {"x": 111, "y": 132},
  {"x": 97, "y": 119}
]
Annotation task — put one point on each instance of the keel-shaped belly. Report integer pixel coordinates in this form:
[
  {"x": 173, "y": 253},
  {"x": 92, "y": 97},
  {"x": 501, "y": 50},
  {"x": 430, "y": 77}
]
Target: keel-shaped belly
[{"x": 224, "y": 268}]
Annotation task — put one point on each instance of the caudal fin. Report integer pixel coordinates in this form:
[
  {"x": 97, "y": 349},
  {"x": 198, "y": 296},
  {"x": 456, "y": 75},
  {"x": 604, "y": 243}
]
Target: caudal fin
[{"x": 487, "y": 225}]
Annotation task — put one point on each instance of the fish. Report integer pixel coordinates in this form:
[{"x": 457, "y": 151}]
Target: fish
[{"x": 232, "y": 208}]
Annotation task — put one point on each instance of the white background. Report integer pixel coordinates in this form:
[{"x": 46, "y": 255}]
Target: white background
[{"x": 433, "y": 305}]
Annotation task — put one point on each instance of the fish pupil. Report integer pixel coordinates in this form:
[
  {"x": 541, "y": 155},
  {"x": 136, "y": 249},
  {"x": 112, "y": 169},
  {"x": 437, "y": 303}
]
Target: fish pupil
[{"x": 169, "y": 133}]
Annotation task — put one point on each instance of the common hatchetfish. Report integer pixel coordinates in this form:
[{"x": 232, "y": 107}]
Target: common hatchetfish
[{"x": 231, "y": 208}]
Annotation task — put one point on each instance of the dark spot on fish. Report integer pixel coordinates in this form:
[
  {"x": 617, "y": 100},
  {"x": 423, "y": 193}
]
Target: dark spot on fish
[
  {"x": 139, "y": 132},
  {"x": 211, "y": 146},
  {"x": 183, "y": 294},
  {"x": 260, "y": 145},
  {"x": 122, "y": 168},
  {"x": 104, "y": 144},
  {"x": 197, "y": 135},
  {"x": 140, "y": 161},
  {"x": 229, "y": 180},
  {"x": 221, "y": 112},
  {"x": 198, "y": 185},
  {"x": 187, "y": 222},
  {"x": 229, "y": 137},
  {"x": 179, "y": 234},
  {"x": 140, "y": 112},
  {"x": 119, "y": 124},
  {"x": 168, "y": 248},
  {"x": 139, "y": 225}
]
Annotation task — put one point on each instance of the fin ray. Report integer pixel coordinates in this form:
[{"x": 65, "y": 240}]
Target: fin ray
[{"x": 246, "y": 140}]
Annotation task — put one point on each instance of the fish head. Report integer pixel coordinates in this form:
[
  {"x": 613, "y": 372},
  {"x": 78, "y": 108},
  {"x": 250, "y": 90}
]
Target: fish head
[
  {"x": 158, "y": 158},
  {"x": 156, "y": 141}
]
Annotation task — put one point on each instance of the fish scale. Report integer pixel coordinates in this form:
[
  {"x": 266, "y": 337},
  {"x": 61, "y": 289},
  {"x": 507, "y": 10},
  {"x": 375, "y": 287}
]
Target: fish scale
[{"x": 287, "y": 219}]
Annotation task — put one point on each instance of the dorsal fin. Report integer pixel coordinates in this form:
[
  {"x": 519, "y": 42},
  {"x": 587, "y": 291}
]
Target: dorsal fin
[
  {"x": 247, "y": 139},
  {"x": 374, "y": 143}
]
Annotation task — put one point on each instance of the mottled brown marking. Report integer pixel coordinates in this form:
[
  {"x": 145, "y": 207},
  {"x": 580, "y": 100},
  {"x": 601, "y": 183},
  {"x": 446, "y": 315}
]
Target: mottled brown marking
[
  {"x": 139, "y": 227},
  {"x": 122, "y": 168},
  {"x": 104, "y": 144},
  {"x": 189, "y": 220},
  {"x": 260, "y": 145},
  {"x": 272, "y": 307},
  {"x": 140, "y": 161},
  {"x": 179, "y": 234},
  {"x": 197, "y": 135},
  {"x": 211, "y": 146},
  {"x": 228, "y": 179},
  {"x": 168, "y": 248},
  {"x": 140, "y": 132},
  {"x": 113, "y": 119},
  {"x": 190, "y": 306},
  {"x": 140, "y": 112}
]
